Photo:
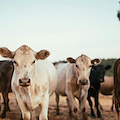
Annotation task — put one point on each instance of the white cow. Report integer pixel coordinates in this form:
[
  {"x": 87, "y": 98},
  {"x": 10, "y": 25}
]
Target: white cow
[
  {"x": 34, "y": 80},
  {"x": 73, "y": 81}
]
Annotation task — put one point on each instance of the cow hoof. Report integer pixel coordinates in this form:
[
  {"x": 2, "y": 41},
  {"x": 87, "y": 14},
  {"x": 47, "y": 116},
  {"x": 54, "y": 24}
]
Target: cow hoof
[
  {"x": 8, "y": 109},
  {"x": 100, "y": 116},
  {"x": 76, "y": 118},
  {"x": 21, "y": 118},
  {"x": 111, "y": 109},
  {"x": 75, "y": 110},
  {"x": 3, "y": 116},
  {"x": 57, "y": 114},
  {"x": 93, "y": 116},
  {"x": 71, "y": 116},
  {"x": 84, "y": 117}
]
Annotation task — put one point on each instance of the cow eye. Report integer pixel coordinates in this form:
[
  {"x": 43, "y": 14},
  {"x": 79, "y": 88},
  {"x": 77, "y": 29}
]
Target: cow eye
[
  {"x": 15, "y": 63},
  {"x": 33, "y": 62},
  {"x": 76, "y": 66}
]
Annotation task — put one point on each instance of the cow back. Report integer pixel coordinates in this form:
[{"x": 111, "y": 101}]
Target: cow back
[{"x": 107, "y": 86}]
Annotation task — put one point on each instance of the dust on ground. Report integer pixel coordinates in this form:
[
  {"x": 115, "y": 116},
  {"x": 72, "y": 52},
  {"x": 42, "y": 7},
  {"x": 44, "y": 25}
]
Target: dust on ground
[{"x": 105, "y": 101}]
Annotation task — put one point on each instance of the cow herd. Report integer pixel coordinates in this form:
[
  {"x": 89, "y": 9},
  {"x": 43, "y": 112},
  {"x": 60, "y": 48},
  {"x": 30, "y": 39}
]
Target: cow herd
[{"x": 33, "y": 79}]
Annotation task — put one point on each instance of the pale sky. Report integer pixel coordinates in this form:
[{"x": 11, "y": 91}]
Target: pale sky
[{"x": 66, "y": 28}]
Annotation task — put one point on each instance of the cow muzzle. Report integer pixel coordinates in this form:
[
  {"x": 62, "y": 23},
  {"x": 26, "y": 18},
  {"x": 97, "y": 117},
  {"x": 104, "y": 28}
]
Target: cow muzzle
[
  {"x": 24, "y": 82},
  {"x": 83, "y": 82},
  {"x": 101, "y": 80}
]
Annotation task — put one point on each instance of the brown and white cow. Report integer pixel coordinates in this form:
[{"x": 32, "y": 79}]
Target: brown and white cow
[
  {"x": 116, "y": 73},
  {"x": 73, "y": 81},
  {"x": 34, "y": 80}
]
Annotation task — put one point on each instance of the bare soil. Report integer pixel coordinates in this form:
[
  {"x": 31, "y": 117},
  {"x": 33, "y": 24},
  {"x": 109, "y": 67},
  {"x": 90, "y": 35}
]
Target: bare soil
[{"x": 105, "y": 101}]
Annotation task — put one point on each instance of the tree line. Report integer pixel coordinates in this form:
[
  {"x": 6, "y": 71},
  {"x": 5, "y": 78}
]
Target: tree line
[{"x": 111, "y": 62}]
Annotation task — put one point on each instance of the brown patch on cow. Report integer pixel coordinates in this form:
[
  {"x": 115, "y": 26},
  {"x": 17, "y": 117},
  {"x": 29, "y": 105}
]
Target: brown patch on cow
[
  {"x": 45, "y": 87},
  {"x": 85, "y": 59},
  {"x": 37, "y": 89},
  {"x": 75, "y": 110},
  {"x": 74, "y": 84},
  {"x": 5, "y": 52},
  {"x": 24, "y": 50},
  {"x": 43, "y": 54},
  {"x": 23, "y": 90},
  {"x": 71, "y": 60}
]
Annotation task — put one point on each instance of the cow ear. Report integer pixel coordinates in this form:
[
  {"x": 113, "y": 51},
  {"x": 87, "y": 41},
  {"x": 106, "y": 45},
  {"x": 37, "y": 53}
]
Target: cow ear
[
  {"x": 107, "y": 67},
  {"x": 71, "y": 60},
  {"x": 96, "y": 61},
  {"x": 43, "y": 54},
  {"x": 5, "y": 52}
]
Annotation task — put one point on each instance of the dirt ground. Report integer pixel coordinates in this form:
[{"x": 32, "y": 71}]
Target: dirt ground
[{"x": 105, "y": 101}]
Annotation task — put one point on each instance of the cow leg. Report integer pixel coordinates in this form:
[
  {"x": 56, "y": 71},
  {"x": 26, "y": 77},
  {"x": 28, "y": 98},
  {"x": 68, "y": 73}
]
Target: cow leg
[
  {"x": 6, "y": 106},
  {"x": 57, "y": 101},
  {"x": 71, "y": 114},
  {"x": 112, "y": 105},
  {"x": 0, "y": 102},
  {"x": 33, "y": 115},
  {"x": 84, "y": 114},
  {"x": 71, "y": 99},
  {"x": 113, "y": 102},
  {"x": 117, "y": 109},
  {"x": 21, "y": 118},
  {"x": 83, "y": 111},
  {"x": 96, "y": 105},
  {"x": 44, "y": 107},
  {"x": 91, "y": 107},
  {"x": 83, "y": 105},
  {"x": 70, "y": 111},
  {"x": 101, "y": 107},
  {"x": 112, "y": 108},
  {"x": 24, "y": 110},
  {"x": 79, "y": 104}
]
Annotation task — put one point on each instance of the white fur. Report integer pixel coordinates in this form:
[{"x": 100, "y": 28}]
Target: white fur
[
  {"x": 68, "y": 82},
  {"x": 44, "y": 75}
]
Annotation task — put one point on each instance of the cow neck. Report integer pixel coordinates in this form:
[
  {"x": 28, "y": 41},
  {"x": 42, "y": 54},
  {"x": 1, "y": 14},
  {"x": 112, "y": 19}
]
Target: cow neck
[
  {"x": 93, "y": 88},
  {"x": 80, "y": 88}
]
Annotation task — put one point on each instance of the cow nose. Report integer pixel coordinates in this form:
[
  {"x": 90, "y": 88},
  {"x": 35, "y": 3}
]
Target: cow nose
[
  {"x": 101, "y": 80},
  {"x": 83, "y": 82},
  {"x": 24, "y": 82}
]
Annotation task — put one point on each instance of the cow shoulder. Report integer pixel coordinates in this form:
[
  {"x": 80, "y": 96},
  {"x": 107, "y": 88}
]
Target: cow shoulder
[
  {"x": 71, "y": 72},
  {"x": 71, "y": 78}
]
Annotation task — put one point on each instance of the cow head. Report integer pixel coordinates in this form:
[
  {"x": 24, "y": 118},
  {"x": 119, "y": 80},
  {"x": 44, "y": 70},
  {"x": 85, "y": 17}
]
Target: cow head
[
  {"x": 24, "y": 61},
  {"x": 83, "y": 66},
  {"x": 98, "y": 72}
]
